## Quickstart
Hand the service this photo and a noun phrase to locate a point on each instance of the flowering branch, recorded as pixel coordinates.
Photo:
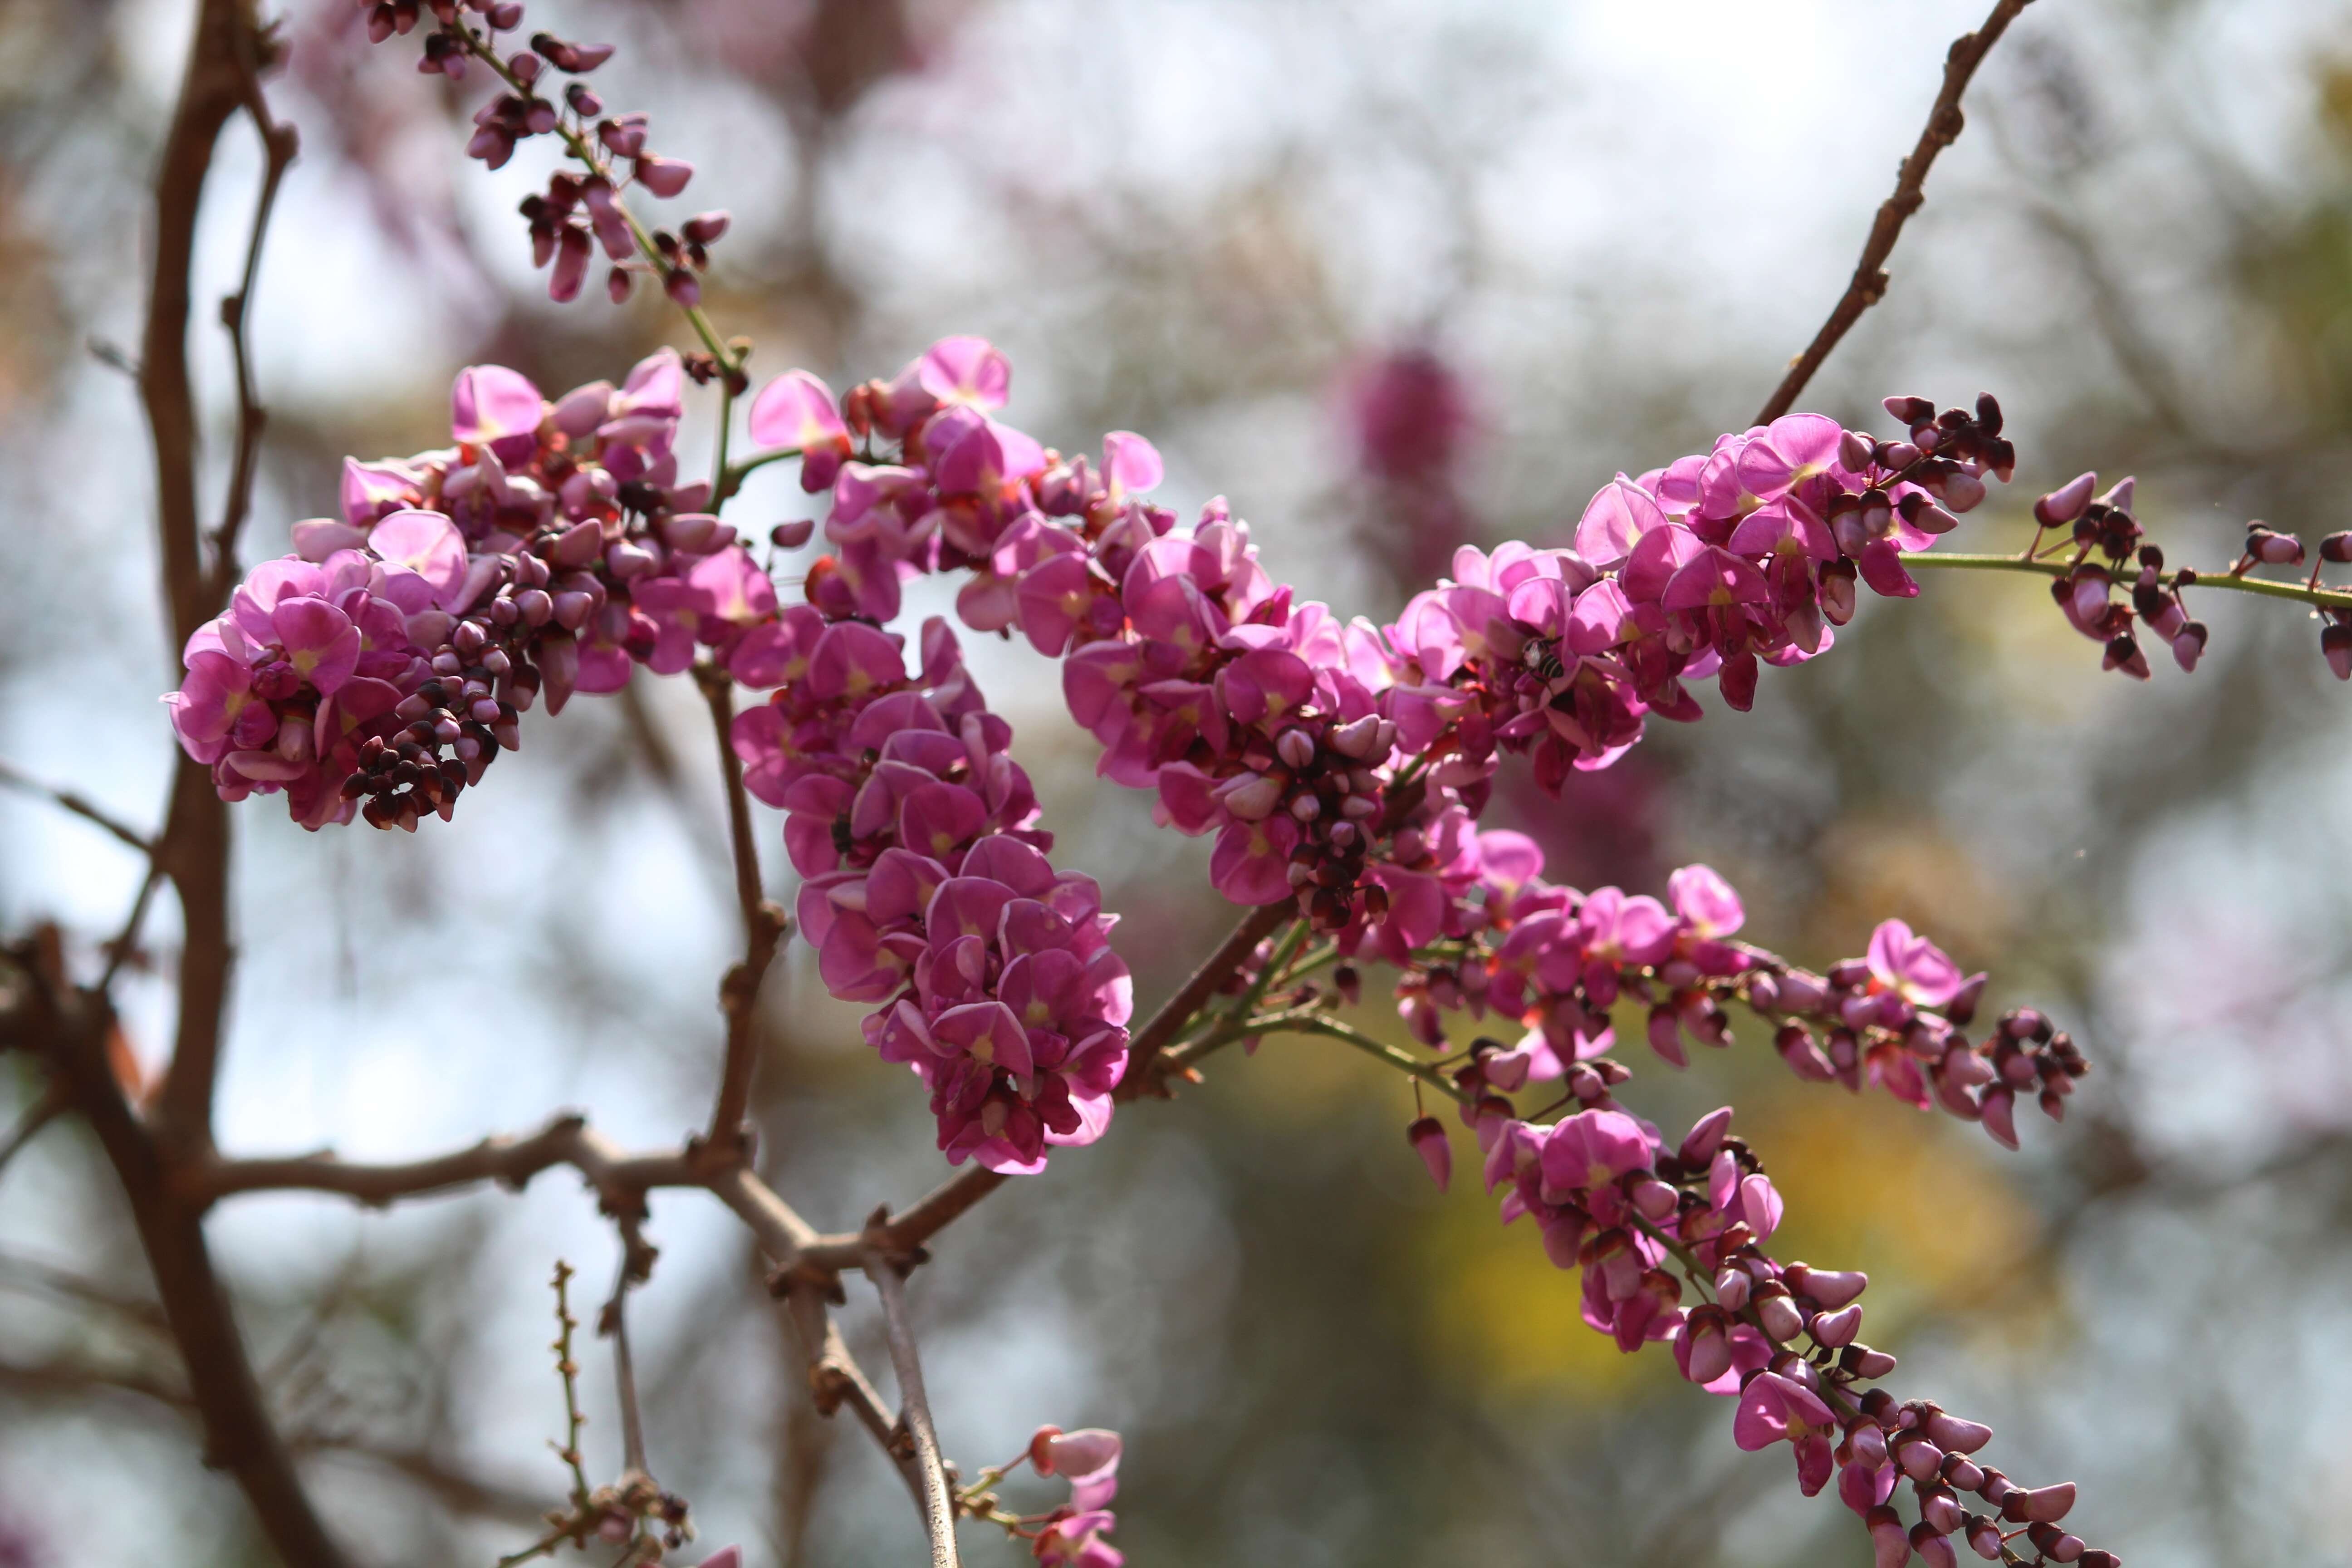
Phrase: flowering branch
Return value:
(1869, 284)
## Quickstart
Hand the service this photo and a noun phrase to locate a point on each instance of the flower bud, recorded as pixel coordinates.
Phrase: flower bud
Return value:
(1776, 1314)
(1836, 1329)
(1933, 1548)
(1952, 1433)
(1427, 1136)
(1888, 1539)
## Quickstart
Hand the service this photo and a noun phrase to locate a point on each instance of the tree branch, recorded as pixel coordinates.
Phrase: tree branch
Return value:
(763, 925)
(254, 53)
(70, 1029)
(1143, 1050)
(18, 778)
(1869, 282)
(915, 1410)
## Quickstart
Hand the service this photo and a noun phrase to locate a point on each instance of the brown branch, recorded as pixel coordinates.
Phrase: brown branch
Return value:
(763, 926)
(193, 847)
(621, 1179)
(18, 778)
(1869, 282)
(835, 1379)
(1143, 1050)
(256, 50)
(71, 1028)
(915, 1410)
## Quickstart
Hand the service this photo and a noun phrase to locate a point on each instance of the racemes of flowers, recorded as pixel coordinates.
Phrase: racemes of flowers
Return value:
(1340, 767)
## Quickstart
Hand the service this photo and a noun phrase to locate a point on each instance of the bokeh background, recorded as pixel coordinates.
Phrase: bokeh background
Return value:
(1548, 242)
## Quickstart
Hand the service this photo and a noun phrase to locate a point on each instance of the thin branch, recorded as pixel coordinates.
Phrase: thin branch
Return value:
(915, 1410)
(18, 778)
(613, 1322)
(1869, 283)
(621, 1179)
(835, 1379)
(1143, 1050)
(126, 941)
(763, 925)
(278, 144)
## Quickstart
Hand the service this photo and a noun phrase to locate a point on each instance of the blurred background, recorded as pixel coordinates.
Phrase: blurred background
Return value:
(1549, 242)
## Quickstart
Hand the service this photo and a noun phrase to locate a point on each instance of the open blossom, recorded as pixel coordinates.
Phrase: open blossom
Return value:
(925, 890)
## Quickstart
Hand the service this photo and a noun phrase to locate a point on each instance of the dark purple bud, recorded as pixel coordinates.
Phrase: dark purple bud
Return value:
(617, 283)
(1854, 451)
(663, 177)
(683, 287)
(703, 228)
(2190, 646)
(505, 19)
(571, 266)
(2335, 642)
(1427, 1136)
(525, 66)
(2269, 546)
(1953, 1433)
(2065, 504)
(2336, 548)
(1909, 410)
(583, 99)
(794, 534)
(1889, 1544)
(1862, 1362)
(1933, 1548)
(1897, 455)
(1984, 1537)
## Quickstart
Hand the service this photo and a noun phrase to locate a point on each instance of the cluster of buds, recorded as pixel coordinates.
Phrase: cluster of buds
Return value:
(2109, 554)
(1647, 1226)
(578, 211)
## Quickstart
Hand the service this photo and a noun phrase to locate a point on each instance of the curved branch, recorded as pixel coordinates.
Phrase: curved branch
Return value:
(1869, 282)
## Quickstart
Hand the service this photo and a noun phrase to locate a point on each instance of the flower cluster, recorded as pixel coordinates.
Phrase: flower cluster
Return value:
(1474, 927)
(580, 212)
(1640, 1220)
(1719, 562)
(549, 549)
(2110, 555)
(1199, 677)
(926, 887)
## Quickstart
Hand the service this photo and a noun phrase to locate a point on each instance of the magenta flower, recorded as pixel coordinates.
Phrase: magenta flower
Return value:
(796, 410)
(493, 406)
(968, 371)
(1775, 1409)
(1591, 1149)
(1913, 967)
(1088, 1457)
(1077, 1542)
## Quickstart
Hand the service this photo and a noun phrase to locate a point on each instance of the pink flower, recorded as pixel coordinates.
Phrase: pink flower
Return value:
(1910, 965)
(490, 406)
(1077, 1542)
(968, 371)
(1707, 903)
(1774, 1409)
(796, 410)
(1591, 1149)
(1088, 1457)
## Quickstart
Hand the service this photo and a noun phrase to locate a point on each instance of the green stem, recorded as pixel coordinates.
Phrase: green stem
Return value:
(1380, 1051)
(726, 428)
(730, 477)
(2321, 597)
